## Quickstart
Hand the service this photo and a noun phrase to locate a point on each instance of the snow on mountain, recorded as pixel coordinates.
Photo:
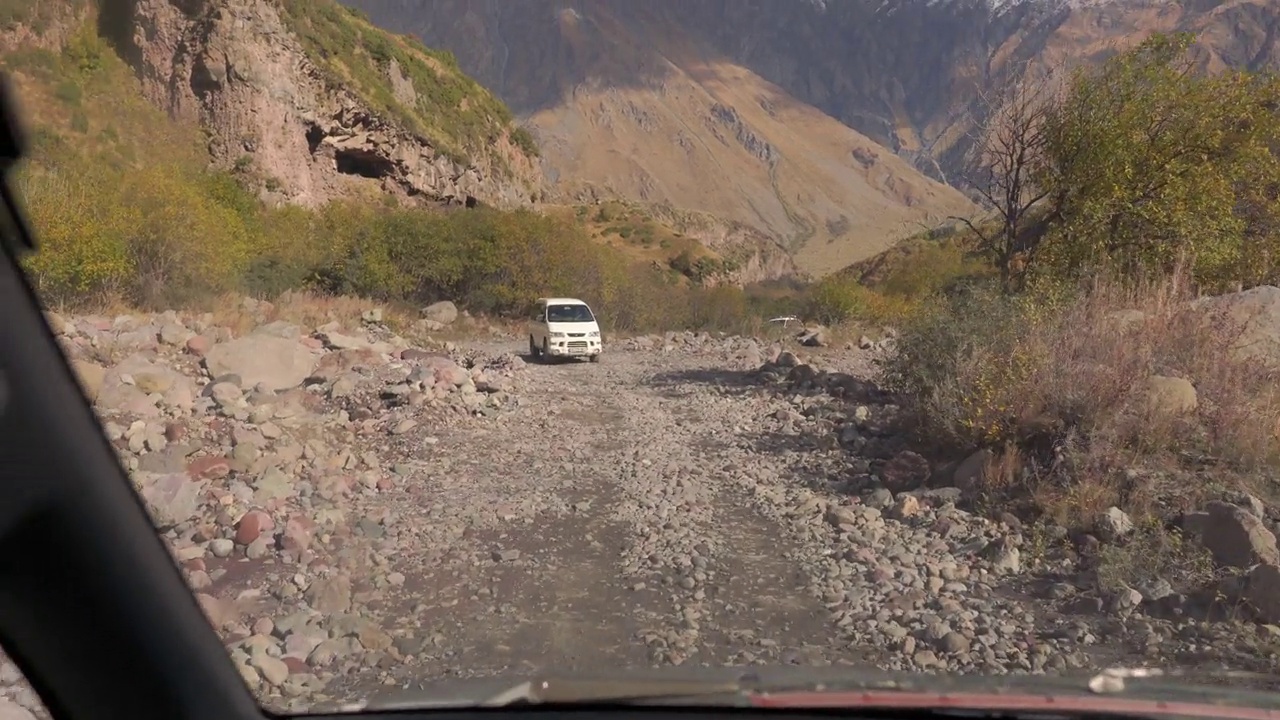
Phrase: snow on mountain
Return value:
(997, 7)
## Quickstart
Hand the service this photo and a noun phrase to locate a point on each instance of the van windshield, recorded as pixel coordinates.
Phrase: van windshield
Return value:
(569, 313)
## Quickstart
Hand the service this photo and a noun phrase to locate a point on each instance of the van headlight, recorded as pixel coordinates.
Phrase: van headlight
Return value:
(594, 333)
(557, 335)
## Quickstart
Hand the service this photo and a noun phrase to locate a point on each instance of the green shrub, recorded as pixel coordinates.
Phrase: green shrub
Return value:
(835, 300)
(169, 235)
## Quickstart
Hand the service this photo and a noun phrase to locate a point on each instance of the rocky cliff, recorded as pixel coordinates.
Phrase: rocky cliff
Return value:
(905, 74)
(309, 101)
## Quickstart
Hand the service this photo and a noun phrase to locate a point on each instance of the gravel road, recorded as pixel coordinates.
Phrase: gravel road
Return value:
(663, 508)
(614, 519)
(358, 515)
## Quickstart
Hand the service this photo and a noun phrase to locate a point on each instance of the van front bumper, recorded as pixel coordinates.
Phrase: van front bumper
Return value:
(574, 347)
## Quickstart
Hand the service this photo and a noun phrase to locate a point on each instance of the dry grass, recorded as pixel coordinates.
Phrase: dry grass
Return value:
(1153, 553)
(1058, 388)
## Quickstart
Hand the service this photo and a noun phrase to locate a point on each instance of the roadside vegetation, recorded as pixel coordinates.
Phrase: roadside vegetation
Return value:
(638, 234)
(1058, 334)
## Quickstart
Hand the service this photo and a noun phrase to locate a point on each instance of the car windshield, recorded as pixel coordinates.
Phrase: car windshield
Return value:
(1039, 438)
(569, 313)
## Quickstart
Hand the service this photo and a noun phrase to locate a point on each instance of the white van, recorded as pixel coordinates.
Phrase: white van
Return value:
(564, 327)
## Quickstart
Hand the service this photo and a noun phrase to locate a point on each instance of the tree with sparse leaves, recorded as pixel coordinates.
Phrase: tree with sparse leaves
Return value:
(1008, 154)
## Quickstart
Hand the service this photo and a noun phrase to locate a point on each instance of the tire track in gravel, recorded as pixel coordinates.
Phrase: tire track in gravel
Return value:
(737, 595)
(523, 574)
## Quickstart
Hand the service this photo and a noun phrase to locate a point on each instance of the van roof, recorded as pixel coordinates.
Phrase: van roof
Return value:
(561, 301)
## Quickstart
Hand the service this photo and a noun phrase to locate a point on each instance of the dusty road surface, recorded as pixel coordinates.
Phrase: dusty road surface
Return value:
(610, 520)
(359, 515)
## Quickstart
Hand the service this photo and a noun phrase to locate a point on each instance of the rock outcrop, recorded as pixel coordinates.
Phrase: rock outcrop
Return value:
(248, 72)
(756, 257)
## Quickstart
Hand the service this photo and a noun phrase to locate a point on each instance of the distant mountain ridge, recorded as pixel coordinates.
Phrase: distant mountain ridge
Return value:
(624, 95)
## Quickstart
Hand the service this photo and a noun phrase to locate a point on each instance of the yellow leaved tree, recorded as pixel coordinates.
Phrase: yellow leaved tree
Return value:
(1149, 160)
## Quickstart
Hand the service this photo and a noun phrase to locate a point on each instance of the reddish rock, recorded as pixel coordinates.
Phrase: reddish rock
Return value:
(174, 432)
(252, 525)
(297, 666)
(906, 471)
(198, 345)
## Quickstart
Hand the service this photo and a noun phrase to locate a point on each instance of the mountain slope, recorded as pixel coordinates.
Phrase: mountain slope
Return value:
(906, 73)
(306, 100)
(621, 106)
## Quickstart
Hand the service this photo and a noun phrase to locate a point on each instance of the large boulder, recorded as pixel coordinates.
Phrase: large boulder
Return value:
(443, 312)
(278, 363)
(1248, 322)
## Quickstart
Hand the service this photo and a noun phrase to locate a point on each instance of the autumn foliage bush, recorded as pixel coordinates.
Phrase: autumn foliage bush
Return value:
(1149, 183)
(1057, 383)
(838, 299)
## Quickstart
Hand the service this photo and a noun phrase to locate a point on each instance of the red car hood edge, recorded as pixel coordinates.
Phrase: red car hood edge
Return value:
(1009, 702)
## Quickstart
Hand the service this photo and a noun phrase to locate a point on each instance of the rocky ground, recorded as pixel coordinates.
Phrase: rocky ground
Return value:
(358, 513)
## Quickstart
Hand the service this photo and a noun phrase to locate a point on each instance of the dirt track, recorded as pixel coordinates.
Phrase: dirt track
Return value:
(662, 507)
(669, 505)
(607, 522)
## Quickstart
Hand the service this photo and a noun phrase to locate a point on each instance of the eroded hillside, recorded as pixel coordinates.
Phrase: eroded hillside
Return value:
(305, 101)
(689, 246)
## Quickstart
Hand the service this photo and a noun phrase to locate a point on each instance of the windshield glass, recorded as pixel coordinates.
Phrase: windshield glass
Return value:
(569, 313)
(1038, 439)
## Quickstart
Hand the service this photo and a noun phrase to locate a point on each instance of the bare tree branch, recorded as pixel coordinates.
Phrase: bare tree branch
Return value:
(1005, 159)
